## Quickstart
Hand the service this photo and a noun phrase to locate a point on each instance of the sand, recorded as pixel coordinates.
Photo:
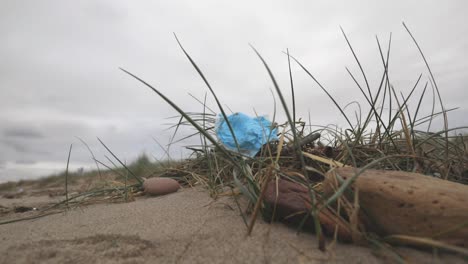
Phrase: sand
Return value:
(183, 227)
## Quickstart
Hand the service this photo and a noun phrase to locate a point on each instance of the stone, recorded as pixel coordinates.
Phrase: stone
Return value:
(293, 203)
(407, 203)
(160, 186)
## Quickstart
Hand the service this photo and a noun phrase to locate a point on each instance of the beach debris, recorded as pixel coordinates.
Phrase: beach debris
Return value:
(251, 133)
(23, 209)
(9, 196)
(160, 186)
(292, 201)
(405, 203)
(4, 210)
(310, 138)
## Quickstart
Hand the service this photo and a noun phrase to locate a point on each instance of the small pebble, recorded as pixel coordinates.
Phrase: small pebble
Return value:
(160, 186)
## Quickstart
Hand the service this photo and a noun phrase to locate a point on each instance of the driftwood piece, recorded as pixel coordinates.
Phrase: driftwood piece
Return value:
(302, 142)
(292, 202)
(403, 203)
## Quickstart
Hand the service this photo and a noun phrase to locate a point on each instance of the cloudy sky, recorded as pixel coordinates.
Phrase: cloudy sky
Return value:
(59, 76)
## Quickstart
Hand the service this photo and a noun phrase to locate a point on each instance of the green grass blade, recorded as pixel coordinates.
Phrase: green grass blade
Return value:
(323, 89)
(292, 90)
(138, 178)
(92, 155)
(359, 63)
(66, 173)
(187, 117)
(212, 92)
(438, 95)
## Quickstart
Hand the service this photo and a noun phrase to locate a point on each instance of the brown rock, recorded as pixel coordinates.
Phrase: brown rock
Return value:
(293, 198)
(293, 203)
(409, 203)
(160, 186)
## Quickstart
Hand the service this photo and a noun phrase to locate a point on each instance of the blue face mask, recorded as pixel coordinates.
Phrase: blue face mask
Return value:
(251, 133)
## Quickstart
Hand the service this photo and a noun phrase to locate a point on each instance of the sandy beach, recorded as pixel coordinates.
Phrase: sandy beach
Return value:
(183, 227)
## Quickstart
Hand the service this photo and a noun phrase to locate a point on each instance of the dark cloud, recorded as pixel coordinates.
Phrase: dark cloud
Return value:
(17, 146)
(25, 162)
(26, 133)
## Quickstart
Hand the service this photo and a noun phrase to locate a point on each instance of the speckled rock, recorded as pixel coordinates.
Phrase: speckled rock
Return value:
(160, 186)
(409, 203)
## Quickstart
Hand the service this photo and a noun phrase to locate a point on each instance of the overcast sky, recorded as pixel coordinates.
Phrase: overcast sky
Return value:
(59, 76)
